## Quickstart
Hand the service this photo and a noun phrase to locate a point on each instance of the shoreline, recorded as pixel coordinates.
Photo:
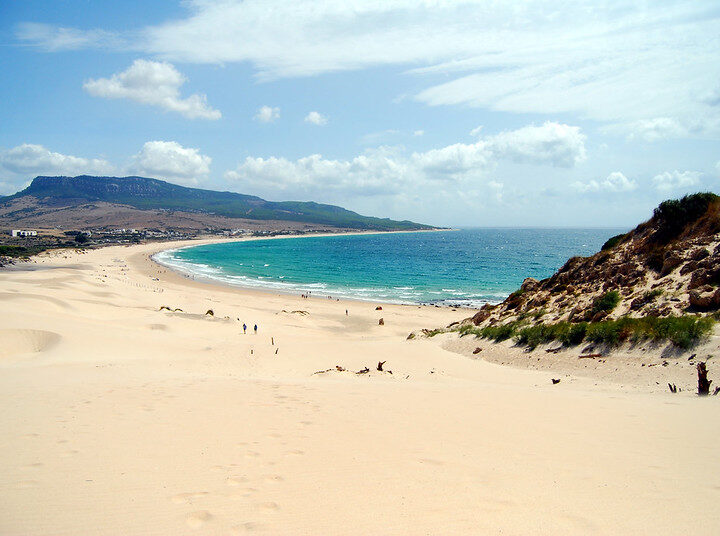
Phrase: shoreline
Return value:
(122, 418)
(188, 273)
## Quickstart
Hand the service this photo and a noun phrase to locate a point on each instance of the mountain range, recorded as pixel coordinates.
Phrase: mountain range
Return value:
(88, 199)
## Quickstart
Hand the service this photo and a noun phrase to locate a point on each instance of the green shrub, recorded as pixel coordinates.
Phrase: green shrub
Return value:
(607, 302)
(576, 334)
(499, 333)
(674, 215)
(652, 294)
(613, 241)
(469, 329)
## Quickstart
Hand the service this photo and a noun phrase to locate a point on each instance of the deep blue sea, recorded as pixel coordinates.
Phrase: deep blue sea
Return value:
(467, 267)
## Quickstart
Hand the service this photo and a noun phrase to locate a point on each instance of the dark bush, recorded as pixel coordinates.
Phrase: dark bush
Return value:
(674, 215)
(613, 241)
(607, 302)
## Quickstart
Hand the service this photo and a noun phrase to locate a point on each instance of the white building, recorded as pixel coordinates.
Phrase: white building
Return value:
(19, 232)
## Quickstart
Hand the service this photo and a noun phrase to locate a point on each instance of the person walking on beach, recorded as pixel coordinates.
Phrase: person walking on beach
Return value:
(244, 328)
(255, 328)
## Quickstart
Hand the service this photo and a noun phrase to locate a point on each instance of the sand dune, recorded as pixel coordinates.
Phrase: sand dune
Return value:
(122, 418)
(16, 342)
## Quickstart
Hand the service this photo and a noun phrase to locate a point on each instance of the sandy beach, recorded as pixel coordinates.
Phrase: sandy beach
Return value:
(122, 418)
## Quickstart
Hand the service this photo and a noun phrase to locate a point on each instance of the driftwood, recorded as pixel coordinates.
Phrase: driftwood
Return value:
(380, 365)
(672, 387)
(589, 356)
(378, 308)
(477, 350)
(553, 350)
(381, 322)
(716, 391)
(363, 371)
(210, 312)
(555, 382)
(703, 382)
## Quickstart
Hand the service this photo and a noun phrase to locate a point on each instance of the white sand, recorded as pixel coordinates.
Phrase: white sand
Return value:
(122, 419)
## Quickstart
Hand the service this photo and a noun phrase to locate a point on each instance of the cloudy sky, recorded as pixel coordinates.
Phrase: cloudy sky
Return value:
(462, 113)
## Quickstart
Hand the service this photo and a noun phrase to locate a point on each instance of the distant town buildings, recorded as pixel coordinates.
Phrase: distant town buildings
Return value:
(21, 232)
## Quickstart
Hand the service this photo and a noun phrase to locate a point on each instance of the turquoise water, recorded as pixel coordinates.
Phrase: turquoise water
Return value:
(467, 267)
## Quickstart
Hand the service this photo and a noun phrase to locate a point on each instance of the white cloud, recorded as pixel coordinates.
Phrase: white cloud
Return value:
(615, 182)
(650, 130)
(316, 118)
(171, 161)
(417, 133)
(267, 114)
(676, 180)
(610, 61)
(37, 160)
(387, 170)
(154, 83)
(54, 38)
(476, 131)
(552, 143)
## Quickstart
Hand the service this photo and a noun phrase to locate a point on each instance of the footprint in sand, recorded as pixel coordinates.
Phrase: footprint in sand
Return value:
(198, 519)
(271, 505)
(274, 435)
(296, 452)
(36, 465)
(252, 454)
(187, 498)
(236, 480)
(273, 479)
(245, 527)
(27, 484)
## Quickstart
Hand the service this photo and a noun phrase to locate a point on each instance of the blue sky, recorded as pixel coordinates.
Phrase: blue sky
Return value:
(462, 113)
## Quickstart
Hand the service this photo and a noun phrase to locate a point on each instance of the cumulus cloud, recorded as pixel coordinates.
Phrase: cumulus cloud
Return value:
(388, 170)
(316, 118)
(267, 114)
(615, 182)
(676, 180)
(154, 83)
(170, 160)
(552, 143)
(418, 133)
(37, 160)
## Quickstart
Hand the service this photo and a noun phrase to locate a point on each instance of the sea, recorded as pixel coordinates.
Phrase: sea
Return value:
(460, 268)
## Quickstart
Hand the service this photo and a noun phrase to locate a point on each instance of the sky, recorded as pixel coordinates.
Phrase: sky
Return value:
(452, 113)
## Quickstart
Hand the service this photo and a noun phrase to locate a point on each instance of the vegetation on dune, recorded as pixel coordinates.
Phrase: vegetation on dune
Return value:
(683, 331)
(613, 241)
(674, 215)
(7, 250)
(607, 302)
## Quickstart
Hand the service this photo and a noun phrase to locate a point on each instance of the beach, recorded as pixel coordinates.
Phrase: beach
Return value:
(128, 409)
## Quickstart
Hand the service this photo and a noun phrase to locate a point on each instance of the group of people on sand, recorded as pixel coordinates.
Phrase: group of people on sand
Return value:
(255, 328)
